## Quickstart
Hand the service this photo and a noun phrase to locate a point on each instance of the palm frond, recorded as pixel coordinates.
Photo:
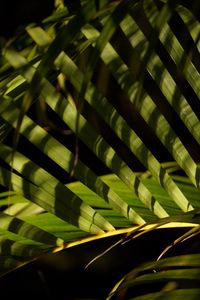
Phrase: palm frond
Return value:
(169, 278)
(117, 75)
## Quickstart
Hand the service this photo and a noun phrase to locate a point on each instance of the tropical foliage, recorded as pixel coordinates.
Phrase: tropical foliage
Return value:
(112, 86)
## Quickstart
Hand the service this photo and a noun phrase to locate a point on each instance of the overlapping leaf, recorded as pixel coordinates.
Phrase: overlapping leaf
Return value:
(59, 66)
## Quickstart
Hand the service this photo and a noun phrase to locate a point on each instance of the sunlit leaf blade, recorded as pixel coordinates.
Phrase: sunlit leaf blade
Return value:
(56, 226)
(106, 154)
(20, 249)
(48, 183)
(22, 207)
(52, 148)
(97, 143)
(24, 229)
(133, 141)
(49, 202)
(147, 107)
(123, 75)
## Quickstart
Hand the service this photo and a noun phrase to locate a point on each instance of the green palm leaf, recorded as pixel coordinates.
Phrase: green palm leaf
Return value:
(168, 274)
(107, 72)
